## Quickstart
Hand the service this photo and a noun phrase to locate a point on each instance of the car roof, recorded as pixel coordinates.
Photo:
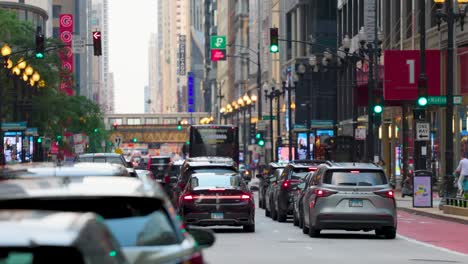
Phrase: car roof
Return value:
(214, 174)
(278, 164)
(210, 161)
(72, 170)
(355, 165)
(102, 154)
(37, 227)
(92, 186)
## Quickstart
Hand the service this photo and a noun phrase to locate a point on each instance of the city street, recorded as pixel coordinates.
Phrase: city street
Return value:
(275, 242)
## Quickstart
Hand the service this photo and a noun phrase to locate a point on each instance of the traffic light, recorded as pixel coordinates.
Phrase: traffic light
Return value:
(378, 105)
(422, 93)
(259, 139)
(97, 43)
(96, 130)
(135, 140)
(274, 48)
(40, 47)
(39, 140)
(179, 126)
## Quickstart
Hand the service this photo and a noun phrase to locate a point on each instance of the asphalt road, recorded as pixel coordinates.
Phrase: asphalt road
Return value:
(275, 242)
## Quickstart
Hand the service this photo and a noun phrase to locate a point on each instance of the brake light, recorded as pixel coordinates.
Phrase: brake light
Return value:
(287, 183)
(323, 193)
(216, 189)
(386, 194)
(354, 171)
(196, 258)
(188, 197)
(167, 179)
(245, 197)
(312, 169)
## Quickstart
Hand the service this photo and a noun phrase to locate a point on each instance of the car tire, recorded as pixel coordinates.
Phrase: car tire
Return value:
(249, 228)
(295, 220)
(390, 233)
(261, 204)
(305, 229)
(280, 216)
(313, 232)
(379, 232)
(267, 213)
(300, 220)
(274, 214)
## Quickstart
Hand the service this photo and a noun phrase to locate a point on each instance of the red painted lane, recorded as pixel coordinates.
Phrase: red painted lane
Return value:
(445, 234)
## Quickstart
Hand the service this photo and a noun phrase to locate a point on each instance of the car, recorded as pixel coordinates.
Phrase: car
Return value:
(282, 196)
(265, 181)
(201, 164)
(298, 196)
(35, 236)
(158, 165)
(218, 199)
(138, 214)
(107, 158)
(349, 196)
(273, 181)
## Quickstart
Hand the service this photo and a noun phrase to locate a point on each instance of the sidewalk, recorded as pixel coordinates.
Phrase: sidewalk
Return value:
(406, 204)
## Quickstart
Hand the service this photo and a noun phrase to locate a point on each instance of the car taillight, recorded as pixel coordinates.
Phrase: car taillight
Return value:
(386, 194)
(320, 193)
(245, 197)
(287, 184)
(312, 169)
(188, 197)
(196, 258)
(167, 179)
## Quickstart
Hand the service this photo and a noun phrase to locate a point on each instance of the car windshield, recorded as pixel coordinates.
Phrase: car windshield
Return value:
(218, 181)
(355, 178)
(134, 221)
(40, 254)
(103, 159)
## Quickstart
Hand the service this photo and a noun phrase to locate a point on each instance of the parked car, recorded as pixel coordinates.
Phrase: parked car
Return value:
(265, 180)
(107, 158)
(298, 196)
(198, 165)
(218, 199)
(34, 236)
(269, 205)
(138, 214)
(292, 175)
(349, 196)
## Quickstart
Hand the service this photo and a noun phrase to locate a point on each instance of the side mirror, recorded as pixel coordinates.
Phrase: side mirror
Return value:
(204, 237)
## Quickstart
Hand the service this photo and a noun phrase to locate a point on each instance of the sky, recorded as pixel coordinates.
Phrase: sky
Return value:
(130, 26)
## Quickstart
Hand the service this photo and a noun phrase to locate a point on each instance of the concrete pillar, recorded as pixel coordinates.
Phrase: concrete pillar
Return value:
(299, 27)
(294, 33)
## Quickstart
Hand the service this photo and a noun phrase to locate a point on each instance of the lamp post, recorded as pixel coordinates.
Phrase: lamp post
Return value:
(270, 96)
(5, 51)
(450, 17)
(289, 88)
(242, 106)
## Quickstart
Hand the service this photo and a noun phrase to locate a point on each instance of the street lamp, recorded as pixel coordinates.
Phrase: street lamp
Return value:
(450, 17)
(289, 89)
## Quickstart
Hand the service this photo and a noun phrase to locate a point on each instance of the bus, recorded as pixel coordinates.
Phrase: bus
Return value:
(214, 140)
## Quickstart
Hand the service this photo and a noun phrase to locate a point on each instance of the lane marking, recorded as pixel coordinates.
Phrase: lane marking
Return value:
(432, 246)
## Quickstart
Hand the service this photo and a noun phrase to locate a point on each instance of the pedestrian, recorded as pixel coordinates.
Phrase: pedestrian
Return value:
(462, 171)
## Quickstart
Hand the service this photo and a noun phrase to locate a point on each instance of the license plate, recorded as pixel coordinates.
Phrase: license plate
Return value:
(217, 215)
(355, 203)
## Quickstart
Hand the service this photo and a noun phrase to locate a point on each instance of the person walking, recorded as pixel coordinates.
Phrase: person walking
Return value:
(462, 171)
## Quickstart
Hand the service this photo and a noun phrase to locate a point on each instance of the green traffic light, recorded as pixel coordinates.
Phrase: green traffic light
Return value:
(274, 48)
(59, 137)
(179, 127)
(39, 140)
(96, 130)
(261, 142)
(422, 101)
(39, 55)
(258, 136)
(378, 109)
(135, 140)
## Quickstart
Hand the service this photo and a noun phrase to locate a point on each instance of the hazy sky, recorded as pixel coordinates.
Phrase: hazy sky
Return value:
(130, 25)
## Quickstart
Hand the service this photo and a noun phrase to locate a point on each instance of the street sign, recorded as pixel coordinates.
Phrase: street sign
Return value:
(78, 44)
(267, 117)
(31, 131)
(442, 100)
(262, 125)
(422, 131)
(218, 42)
(218, 54)
(14, 126)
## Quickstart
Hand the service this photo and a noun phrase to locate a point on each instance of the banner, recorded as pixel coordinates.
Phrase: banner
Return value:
(66, 54)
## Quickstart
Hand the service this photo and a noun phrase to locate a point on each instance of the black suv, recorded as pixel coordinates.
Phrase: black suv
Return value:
(265, 180)
(283, 192)
(159, 166)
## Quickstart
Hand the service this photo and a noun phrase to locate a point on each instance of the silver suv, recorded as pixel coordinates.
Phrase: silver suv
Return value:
(349, 196)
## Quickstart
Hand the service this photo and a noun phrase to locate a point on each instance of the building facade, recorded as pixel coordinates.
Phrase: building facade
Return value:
(35, 11)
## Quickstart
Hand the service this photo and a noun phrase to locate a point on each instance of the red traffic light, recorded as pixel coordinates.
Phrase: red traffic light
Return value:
(97, 43)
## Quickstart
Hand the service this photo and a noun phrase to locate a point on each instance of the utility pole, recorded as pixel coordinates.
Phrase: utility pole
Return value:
(449, 85)
(259, 83)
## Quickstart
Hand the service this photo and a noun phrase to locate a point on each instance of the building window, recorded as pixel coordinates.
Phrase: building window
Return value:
(113, 121)
(133, 121)
(169, 121)
(151, 121)
(56, 10)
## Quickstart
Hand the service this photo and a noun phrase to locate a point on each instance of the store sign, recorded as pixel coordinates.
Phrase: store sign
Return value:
(66, 53)
(181, 69)
(190, 93)
(402, 70)
(422, 191)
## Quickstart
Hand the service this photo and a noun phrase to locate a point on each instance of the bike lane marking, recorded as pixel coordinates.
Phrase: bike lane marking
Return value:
(435, 232)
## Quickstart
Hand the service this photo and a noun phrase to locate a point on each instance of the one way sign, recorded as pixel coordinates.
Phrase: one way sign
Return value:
(422, 131)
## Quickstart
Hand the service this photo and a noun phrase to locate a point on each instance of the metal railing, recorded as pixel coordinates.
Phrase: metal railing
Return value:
(458, 202)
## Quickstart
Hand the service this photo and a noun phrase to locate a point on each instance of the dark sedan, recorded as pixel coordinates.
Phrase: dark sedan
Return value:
(218, 199)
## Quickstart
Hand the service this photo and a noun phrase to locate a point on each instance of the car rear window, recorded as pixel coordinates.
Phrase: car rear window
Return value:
(114, 160)
(217, 181)
(299, 173)
(355, 178)
(213, 170)
(134, 221)
(160, 160)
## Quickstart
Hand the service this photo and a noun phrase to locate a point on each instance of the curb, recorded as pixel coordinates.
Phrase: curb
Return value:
(437, 216)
